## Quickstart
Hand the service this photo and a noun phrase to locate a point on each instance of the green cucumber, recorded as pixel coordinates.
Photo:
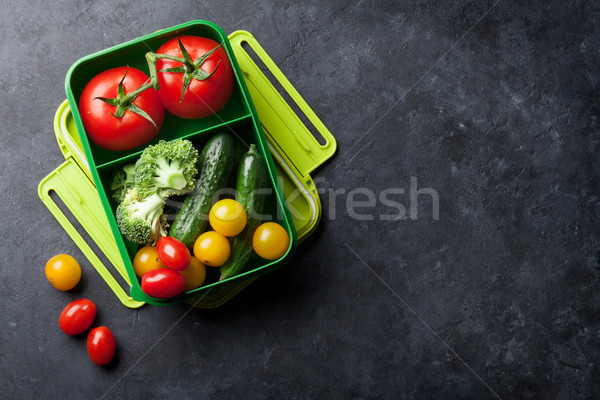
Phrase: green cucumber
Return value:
(252, 176)
(218, 158)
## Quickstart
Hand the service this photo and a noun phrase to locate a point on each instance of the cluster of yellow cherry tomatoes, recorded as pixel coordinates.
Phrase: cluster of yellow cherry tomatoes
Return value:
(169, 269)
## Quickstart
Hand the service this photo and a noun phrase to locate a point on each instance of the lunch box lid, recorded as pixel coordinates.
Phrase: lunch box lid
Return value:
(286, 131)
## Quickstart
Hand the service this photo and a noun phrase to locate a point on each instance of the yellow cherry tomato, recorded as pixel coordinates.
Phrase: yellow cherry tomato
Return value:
(194, 274)
(63, 272)
(212, 249)
(145, 260)
(227, 217)
(270, 241)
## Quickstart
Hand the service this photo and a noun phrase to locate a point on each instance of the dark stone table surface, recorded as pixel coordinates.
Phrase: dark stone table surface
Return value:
(475, 275)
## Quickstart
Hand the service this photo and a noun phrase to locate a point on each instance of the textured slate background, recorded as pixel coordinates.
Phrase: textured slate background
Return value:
(496, 109)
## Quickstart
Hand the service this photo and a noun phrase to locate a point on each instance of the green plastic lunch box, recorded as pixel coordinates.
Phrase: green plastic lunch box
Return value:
(257, 110)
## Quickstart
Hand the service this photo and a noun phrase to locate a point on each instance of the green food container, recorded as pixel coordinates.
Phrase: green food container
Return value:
(238, 116)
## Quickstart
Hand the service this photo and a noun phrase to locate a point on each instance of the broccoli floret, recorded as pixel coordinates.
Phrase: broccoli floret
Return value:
(123, 180)
(141, 220)
(166, 169)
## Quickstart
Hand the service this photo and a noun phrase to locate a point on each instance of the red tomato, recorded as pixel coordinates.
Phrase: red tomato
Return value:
(203, 97)
(129, 131)
(77, 316)
(101, 345)
(163, 283)
(172, 253)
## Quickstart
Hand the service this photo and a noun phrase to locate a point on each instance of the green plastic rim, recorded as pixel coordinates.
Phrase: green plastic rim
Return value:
(241, 111)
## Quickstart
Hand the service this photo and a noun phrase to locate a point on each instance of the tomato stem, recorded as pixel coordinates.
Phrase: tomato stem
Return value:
(169, 57)
(190, 69)
(151, 59)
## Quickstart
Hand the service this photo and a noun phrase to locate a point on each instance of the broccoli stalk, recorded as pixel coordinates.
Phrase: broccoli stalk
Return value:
(166, 169)
(123, 180)
(141, 220)
(168, 174)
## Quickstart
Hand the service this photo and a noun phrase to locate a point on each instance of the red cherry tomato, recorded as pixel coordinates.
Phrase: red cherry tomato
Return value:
(101, 345)
(163, 283)
(77, 316)
(202, 97)
(129, 131)
(173, 253)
